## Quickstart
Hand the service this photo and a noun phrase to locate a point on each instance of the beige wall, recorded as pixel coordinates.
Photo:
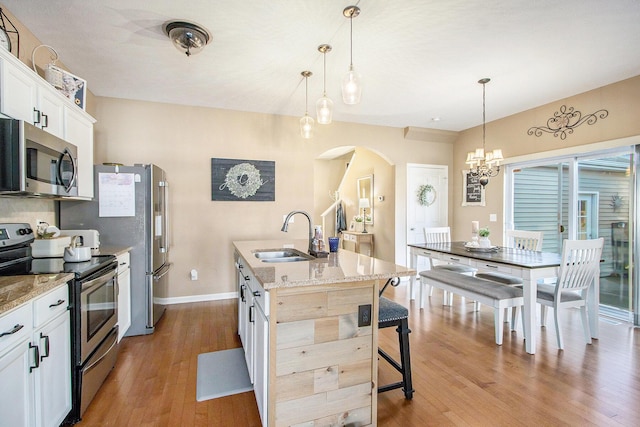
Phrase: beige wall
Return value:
(183, 139)
(621, 100)
(362, 162)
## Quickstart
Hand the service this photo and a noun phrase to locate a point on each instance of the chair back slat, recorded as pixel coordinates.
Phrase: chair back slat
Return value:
(527, 240)
(580, 264)
(437, 234)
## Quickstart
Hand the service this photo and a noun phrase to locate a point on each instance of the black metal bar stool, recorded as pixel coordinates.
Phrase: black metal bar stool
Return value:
(393, 314)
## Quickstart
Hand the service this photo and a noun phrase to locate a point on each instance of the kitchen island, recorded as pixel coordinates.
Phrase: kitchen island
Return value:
(309, 331)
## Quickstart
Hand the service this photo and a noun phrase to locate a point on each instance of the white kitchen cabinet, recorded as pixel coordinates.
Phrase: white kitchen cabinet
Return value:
(35, 372)
(261, 362)
(24, 95)
(18, 90)
(53, 377)
(16, 385)
(253, 328)
(124, 294)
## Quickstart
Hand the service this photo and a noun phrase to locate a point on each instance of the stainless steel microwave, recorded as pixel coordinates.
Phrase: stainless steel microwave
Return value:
(35, 163)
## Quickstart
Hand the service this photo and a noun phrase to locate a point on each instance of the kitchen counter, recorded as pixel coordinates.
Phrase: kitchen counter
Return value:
(16, 290)
(309, 332)
(339, 267)
(112, 250)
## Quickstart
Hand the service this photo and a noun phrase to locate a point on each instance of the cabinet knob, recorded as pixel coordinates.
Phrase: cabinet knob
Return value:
(256, 293)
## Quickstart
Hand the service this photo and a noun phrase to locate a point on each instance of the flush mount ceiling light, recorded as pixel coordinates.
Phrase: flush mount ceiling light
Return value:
(484, 165)
(324, 106)
(306, 122)
(352, 81)
(187, 37)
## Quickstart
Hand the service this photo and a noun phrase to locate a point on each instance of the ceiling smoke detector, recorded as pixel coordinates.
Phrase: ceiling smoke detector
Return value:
(187, 37)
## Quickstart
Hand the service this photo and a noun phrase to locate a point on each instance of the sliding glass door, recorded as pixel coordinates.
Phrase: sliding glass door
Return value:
(581, 197)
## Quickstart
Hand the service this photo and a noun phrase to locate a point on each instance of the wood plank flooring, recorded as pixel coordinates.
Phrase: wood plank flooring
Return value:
(460, 376)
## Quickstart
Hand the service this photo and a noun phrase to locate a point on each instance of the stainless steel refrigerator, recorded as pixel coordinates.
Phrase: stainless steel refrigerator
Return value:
(130, 209)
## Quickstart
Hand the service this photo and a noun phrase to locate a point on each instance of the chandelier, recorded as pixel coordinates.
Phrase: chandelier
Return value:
(482, 164)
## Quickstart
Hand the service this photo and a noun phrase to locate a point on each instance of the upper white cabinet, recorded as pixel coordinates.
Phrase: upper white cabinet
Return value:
(24, 95)
(79, 132)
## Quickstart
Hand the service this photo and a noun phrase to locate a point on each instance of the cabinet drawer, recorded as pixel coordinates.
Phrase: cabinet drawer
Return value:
(123, 262)
(17, 325)
(487, 266)
(348, 237)
(260, 296)
(455, 259)
(50, 305)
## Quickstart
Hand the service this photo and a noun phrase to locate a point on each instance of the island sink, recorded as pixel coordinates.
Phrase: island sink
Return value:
(282, 255)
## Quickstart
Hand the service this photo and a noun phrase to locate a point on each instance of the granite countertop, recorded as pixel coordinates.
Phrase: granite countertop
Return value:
(111, 250)
(16, 290)
(340, 267)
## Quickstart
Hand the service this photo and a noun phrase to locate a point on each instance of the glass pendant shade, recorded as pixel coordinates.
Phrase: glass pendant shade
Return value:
(324, 106)
(351, 87)
(324, 110)
(306, 122)
(306, 126)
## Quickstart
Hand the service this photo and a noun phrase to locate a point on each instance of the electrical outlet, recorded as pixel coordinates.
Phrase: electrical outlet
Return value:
(364, 315)
(194, 274)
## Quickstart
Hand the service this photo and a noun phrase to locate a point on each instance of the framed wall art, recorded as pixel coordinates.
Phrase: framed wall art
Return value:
(243, 180)
(472, 190)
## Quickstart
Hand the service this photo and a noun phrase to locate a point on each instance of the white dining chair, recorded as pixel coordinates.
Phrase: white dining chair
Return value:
(440, 235)
(579, 269)
(519, 239)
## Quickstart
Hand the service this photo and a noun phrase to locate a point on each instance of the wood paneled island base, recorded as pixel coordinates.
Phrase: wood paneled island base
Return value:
(312, 355)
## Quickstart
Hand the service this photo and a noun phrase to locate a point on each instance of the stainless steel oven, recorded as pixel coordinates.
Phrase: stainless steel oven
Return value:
(98, 311)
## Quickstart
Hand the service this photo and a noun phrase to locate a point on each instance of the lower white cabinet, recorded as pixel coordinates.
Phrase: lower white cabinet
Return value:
(124, 294)
(16, 387)
(261, 362)
(253, 328)
(35, 366)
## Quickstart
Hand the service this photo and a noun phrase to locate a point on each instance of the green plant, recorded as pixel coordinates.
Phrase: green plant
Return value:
(358, 218)
(484, 232)
(423, 192)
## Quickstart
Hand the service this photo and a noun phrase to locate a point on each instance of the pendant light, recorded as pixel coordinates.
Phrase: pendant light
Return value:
(352, 81)
(306, 122)
(483, 165)
(324, 106)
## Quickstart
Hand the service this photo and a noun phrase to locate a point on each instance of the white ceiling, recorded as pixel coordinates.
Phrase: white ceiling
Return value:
(420, 59)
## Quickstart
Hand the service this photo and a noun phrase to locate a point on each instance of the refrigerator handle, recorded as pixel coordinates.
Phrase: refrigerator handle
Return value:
(164, 245)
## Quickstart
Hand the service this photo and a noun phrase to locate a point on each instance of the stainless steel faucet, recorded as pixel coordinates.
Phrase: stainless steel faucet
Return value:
(286, 225)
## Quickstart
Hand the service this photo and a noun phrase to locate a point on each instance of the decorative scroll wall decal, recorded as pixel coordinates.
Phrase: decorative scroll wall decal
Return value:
(564, 121)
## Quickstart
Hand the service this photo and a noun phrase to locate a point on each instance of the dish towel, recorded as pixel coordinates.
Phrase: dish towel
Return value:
(341, 219)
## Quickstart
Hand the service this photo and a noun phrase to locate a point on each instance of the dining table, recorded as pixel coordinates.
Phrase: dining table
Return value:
(530, 266)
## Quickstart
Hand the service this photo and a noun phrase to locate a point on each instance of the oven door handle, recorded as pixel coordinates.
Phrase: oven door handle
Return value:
(98, 280)
(88, 368)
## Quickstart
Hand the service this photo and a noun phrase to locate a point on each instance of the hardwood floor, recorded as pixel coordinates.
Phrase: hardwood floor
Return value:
(460, 376)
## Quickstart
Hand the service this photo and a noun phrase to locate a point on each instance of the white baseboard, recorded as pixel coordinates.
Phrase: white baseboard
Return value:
(198, 298)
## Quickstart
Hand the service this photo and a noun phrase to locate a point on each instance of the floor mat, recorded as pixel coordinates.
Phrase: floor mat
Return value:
(222, 373)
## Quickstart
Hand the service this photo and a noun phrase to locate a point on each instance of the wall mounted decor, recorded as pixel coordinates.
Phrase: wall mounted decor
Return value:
(238, 180)
(564, 121)
(472, 190)
(5, 31)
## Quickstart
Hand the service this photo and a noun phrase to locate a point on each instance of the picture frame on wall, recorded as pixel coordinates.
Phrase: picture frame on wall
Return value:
(243, 180)
(472, 190)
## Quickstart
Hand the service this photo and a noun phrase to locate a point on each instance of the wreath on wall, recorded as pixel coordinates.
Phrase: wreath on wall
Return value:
(426, 195)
